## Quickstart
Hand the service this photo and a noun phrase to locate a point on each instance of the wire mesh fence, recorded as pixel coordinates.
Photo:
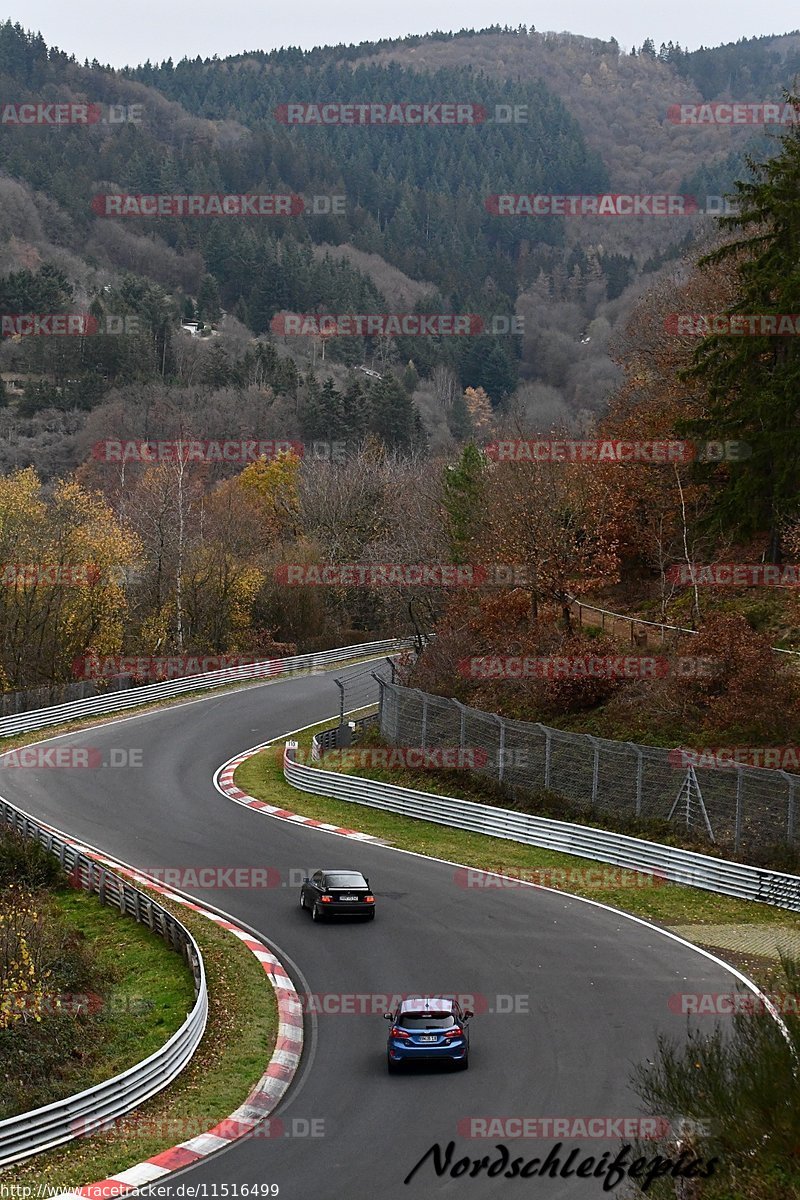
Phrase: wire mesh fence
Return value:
(737, 808)
(359, 688)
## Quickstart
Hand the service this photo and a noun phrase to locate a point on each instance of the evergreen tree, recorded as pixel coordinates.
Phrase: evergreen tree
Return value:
(463, 493)
(752, 383)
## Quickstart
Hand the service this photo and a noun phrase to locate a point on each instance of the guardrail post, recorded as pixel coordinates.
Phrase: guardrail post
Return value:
(738, 831)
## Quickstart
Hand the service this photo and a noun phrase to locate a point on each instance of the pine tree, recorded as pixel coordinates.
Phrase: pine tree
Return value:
(463, 491)
(753, 382)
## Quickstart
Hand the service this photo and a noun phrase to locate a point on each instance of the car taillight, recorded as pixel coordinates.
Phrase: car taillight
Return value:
(369, 899)
(399, 1033)
(326, 899)
(456, 1032)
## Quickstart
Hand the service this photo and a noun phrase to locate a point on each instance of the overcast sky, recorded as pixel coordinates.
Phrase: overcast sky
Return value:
(122, 33)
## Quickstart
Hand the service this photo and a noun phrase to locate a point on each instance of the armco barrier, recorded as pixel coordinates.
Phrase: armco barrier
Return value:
(113, 702)
(59, 1122)
(668, 862)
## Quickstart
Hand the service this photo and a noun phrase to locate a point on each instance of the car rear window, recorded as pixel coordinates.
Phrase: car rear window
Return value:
(346, 881)
(426, 1021)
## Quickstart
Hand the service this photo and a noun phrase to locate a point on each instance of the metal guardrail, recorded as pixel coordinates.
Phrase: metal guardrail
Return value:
(668, 862)
(113, 702)
(63, 1120)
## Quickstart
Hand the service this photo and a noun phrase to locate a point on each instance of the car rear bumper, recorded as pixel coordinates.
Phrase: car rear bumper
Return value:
(345, 909)
(419, 1053)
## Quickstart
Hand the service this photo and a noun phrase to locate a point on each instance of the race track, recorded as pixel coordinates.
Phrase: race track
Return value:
(595, 984)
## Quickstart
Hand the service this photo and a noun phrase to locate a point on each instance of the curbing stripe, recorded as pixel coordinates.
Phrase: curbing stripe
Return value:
(223, 780)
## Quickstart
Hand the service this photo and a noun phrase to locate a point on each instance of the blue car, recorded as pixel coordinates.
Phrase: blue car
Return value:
(426, 1029)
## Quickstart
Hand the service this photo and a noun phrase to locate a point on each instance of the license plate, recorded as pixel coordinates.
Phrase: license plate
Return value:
(427, 1037)
(348, 897)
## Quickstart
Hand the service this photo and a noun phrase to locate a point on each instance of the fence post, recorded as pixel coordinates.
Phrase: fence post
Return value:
(392, 666)
(548, 741)
(340, 686)
(462, 731)
(790, 809)
(639, 762)
(380, 682)
(595, 769)
(738, 832)
(424, 733)
(501, 750)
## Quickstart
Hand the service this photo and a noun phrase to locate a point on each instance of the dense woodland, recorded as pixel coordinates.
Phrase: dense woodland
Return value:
(188, 555)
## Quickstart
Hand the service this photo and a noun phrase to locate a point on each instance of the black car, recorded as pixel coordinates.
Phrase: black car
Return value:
(337, 894)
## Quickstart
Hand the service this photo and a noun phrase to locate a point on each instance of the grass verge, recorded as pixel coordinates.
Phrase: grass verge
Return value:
(237, 1045)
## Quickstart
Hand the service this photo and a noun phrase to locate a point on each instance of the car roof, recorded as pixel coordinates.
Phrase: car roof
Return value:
(341, 871)
(427, 1004)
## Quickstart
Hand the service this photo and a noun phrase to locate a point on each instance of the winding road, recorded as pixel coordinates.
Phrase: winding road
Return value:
(588, 987)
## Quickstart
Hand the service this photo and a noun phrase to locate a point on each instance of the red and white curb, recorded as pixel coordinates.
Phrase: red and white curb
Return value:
(263, 1098)
(223, 781)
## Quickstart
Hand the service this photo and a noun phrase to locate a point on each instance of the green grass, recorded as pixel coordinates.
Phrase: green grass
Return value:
(141, 964)
(236, 1048)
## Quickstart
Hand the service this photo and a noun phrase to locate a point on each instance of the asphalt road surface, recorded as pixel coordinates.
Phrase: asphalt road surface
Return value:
(568, 994)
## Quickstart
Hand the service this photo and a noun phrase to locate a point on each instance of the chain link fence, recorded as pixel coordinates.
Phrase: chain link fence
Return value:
(739, 809)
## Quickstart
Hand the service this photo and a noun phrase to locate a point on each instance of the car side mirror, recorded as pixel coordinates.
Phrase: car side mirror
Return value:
(306, 879)
(468, 1014)
(387, 1017)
